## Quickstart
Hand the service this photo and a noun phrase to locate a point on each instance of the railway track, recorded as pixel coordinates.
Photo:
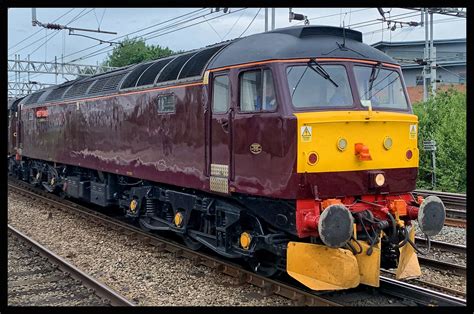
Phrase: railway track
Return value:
(295, 292)
(454, 200)
(445, 246)
(37, 276)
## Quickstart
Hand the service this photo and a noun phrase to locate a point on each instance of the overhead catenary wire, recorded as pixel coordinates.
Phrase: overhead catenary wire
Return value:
(77, 17)
(134, 32)
(161, 34)
(235, 23)
(449, 20)
(251, 22)
(155, 36)
(331, 15)
(38, 31)
(137, 31)
(55, 33)
(218, 35)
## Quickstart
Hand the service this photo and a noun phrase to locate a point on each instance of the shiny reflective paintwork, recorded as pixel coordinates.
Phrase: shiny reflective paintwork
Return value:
(125, 134)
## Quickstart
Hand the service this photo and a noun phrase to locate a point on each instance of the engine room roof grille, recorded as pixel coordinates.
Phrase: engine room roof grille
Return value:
(170, 73)
(196, 65)
(33, 99)
(149, 75)
(79, 89)
(57, 93)
(113, 82)
(132, 77)
(98, 85)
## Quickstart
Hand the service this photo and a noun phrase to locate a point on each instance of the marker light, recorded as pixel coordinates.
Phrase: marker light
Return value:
(342, 144)
(409, 154)
(312, 158)
(387, 143)
(380, 179)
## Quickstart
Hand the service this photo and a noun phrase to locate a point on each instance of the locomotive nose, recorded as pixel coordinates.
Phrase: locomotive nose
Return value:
(431, 215)
(335, 225)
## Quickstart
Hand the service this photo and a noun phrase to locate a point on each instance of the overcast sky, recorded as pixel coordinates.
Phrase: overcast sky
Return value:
(44, 45)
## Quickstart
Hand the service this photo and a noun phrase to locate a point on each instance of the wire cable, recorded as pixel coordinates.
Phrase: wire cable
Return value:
(39, 30)
(234, 24)
(190, 13)
(251, 22)
(155, 36)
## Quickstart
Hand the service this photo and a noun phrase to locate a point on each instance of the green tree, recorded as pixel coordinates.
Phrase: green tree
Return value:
(443, 119)
(131, 51)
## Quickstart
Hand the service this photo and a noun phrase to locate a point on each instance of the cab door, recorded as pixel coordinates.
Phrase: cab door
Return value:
(220, 130)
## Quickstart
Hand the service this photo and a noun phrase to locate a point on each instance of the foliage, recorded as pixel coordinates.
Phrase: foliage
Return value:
(443, 118)
(131, 51)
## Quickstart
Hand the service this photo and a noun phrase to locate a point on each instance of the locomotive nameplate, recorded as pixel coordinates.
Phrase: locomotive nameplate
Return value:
(218, 184)
(220, 170)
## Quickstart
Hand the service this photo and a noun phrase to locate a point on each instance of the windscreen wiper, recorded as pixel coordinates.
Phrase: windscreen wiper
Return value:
(320, 70)
(373, 76)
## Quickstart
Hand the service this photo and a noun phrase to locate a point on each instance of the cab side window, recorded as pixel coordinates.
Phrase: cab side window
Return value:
(257, 92)
(220, 94)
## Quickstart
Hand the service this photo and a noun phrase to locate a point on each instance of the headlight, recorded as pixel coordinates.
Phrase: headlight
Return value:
(380, 179)
(341, 144)
(387, 142)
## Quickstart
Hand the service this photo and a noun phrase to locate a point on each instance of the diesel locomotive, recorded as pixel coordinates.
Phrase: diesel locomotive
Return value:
(294, 150)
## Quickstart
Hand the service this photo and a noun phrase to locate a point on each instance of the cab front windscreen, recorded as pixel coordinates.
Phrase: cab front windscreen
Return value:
(328, 86)
(309, 89)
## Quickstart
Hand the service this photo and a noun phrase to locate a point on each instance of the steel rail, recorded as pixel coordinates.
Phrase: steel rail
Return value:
(99, 288)
(442, 265)
(418, 294)
(455, 222)
(430, 284)
(455, 199)
(455, 248)
(269, 286)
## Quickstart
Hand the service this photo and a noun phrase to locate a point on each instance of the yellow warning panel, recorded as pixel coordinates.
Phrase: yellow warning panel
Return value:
(306, 133)
(322, 268)
(369, 265)
(408, 265)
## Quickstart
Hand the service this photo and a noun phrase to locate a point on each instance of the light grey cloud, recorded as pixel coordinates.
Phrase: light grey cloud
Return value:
(126, 20)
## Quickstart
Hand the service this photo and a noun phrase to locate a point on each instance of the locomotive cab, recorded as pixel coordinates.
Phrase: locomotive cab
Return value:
(357, 151)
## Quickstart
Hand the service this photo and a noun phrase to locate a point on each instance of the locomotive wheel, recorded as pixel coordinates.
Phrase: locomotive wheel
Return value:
(191, 243)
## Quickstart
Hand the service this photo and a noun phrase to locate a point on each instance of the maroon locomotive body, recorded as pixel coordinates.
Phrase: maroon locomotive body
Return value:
(213, 145)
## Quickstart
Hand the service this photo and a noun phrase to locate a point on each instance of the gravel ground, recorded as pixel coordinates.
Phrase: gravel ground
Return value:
(443, 278)
(448, 234)
(445, 256)
(134, 269)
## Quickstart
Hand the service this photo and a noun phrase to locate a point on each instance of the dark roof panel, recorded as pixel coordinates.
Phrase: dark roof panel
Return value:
(134, 75)
(170, 73)
(196, 65)
(149, 75)
(297, 42)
